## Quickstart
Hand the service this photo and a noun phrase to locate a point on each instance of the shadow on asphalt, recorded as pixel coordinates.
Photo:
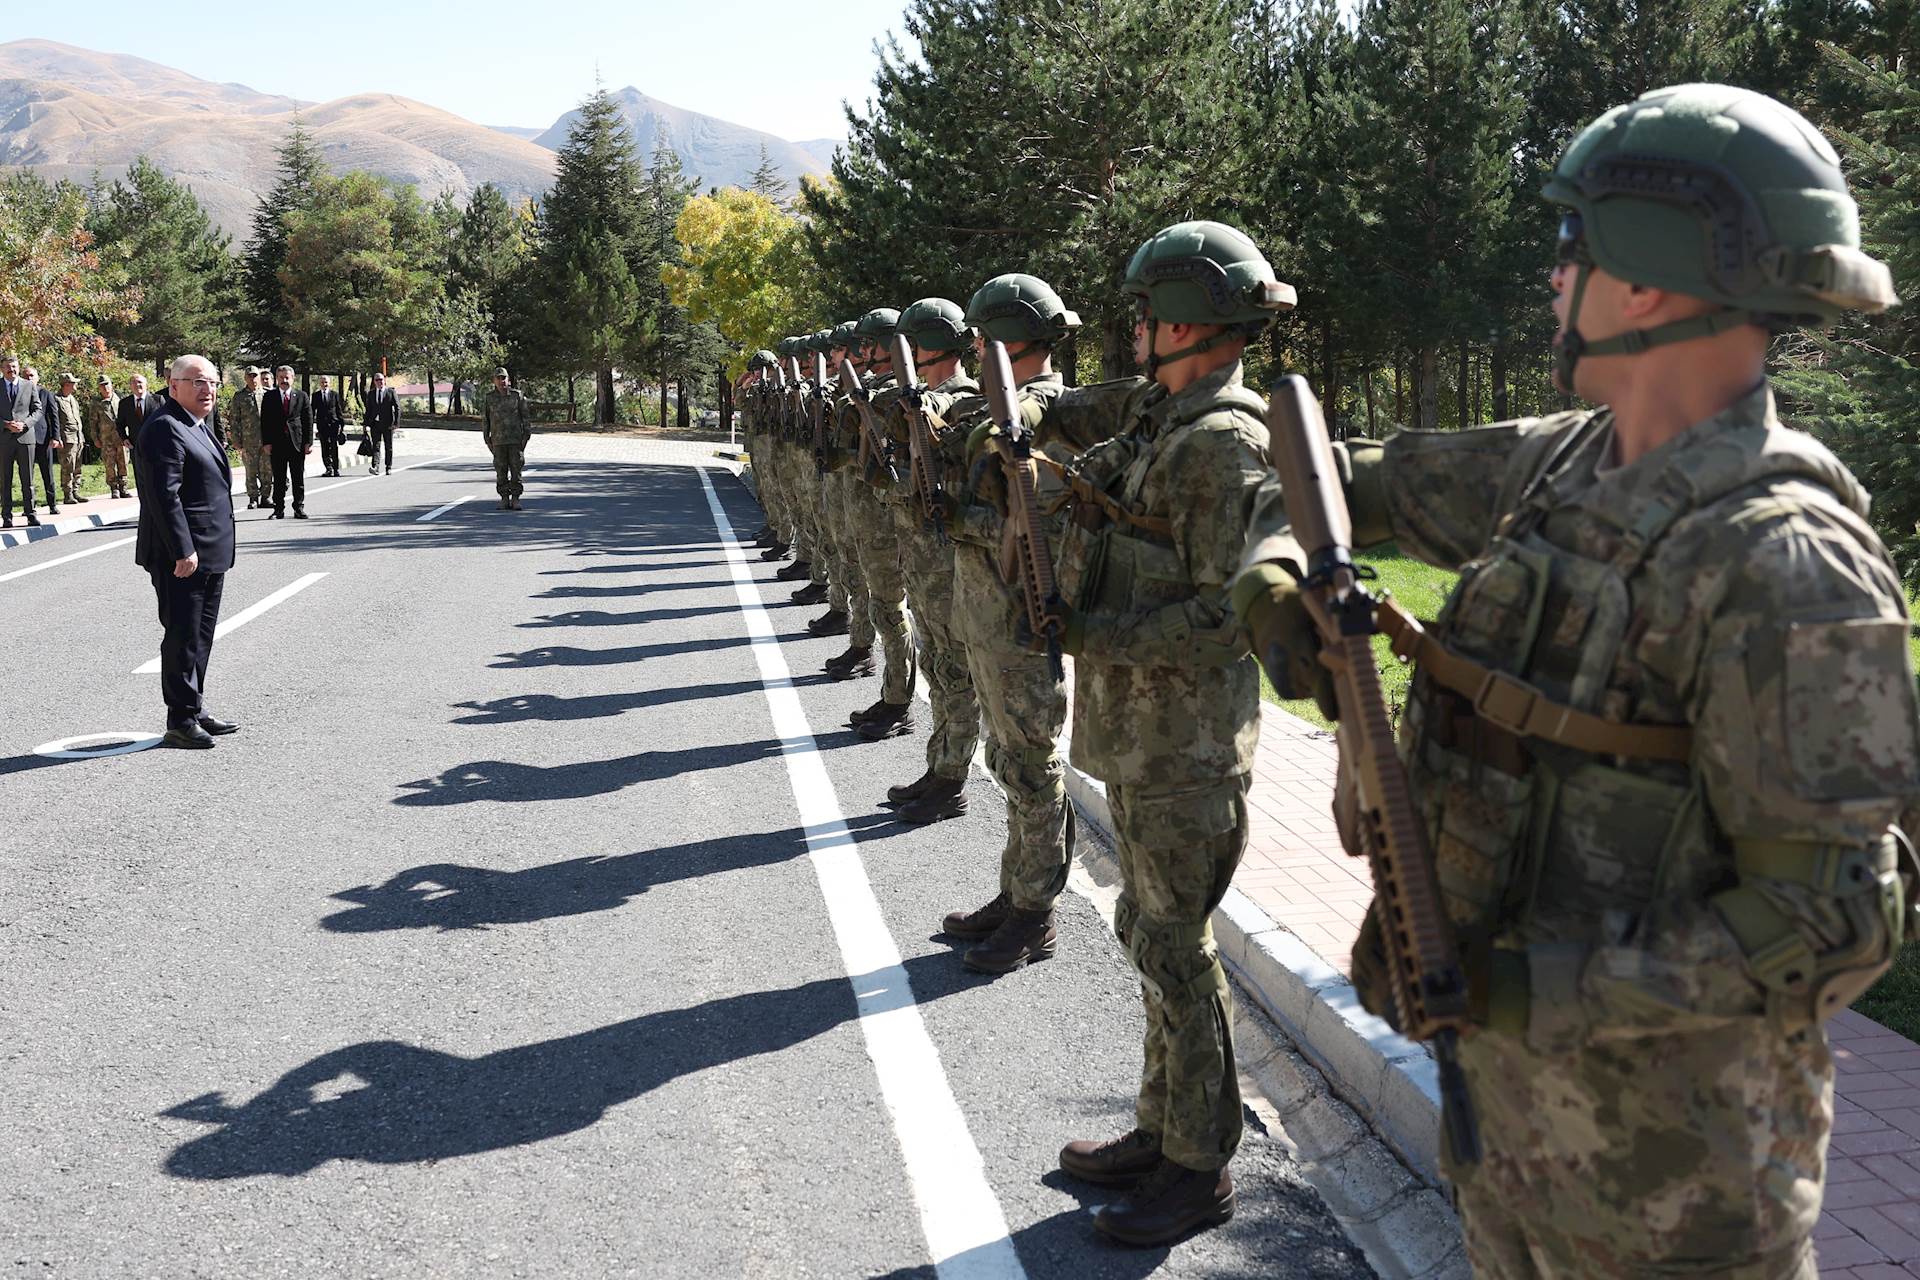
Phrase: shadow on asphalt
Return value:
(566, 655)
(637, 568)
(505, 780)
(548, 706)
(645, 589)
(447, 896)
(385, 1102)
(639, 617)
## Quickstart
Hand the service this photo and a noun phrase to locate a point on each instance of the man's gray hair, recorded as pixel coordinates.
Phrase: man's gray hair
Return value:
(182, 364)
(285, 368)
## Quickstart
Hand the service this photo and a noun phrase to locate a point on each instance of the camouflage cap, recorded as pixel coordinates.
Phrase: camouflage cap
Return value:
(501, 372)
(68, 377)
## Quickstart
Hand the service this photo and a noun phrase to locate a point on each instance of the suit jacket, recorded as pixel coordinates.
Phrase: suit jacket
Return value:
(49, 419)
(383, 410)
(186, 494)
(286, 419)
(24, 404)
(326, 413)
(132, 413)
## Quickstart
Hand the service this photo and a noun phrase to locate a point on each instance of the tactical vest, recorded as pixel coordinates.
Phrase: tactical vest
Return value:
(1116, 558)
(1553, 839)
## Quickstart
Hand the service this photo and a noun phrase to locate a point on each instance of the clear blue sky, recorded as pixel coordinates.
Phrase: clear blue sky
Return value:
(748, 61)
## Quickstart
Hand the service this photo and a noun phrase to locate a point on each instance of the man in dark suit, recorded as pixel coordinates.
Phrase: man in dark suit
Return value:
(329, 420)
(185, 541)
(19, 408)
(286, 432)
(383, 415)
(139, 402)
(46, 449)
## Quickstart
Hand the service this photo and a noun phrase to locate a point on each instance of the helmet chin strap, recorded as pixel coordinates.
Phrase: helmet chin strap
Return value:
(1155, 361)
(1016, 354)
(1572, 346)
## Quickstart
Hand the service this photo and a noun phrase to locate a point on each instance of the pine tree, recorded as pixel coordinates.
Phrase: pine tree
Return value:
(300, 169)
(361, 279)
(766, 179)
(186, 277)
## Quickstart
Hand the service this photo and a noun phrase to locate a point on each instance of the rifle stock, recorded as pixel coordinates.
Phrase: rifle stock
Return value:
(1429, 983)
(820, 412)
(794, 393)
(1034, 559)
(921, 459)
(872, 449)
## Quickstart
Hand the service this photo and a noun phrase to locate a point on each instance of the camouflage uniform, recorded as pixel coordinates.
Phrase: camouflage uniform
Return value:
(506, 425)
(101, 411)
(73, 440)
(1166, 712)
(244, 410)
(869, 526)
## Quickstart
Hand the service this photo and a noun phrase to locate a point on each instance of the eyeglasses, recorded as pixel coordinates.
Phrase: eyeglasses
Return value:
(1571, 249)
(205, 384)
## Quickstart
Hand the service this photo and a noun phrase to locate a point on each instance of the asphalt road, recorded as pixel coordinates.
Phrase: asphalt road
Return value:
(519, 932)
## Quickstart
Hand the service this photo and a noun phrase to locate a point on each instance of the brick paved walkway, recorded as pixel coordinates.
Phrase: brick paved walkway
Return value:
(1296, 871)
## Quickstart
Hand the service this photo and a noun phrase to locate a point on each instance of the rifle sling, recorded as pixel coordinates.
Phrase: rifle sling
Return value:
(1081, 490)
(1518, 708)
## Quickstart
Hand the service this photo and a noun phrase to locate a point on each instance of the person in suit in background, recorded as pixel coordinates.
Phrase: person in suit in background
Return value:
(330, 422)
(185, 542)
(134, 408)
(383, 415)
(46, 450)
(19, 407)
(103, 424)
(286, 430)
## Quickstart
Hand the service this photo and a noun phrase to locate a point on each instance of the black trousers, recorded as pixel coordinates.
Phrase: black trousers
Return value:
(289, 467)
(49, 472)
(189, 612)
(329, 452)
(378, 435)
(15, 455)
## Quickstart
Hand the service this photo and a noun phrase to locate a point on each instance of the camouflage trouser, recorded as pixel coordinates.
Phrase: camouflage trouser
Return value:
(809, 499)
(1179, 847)
(72, 450)
(113, 461)
(847, 589)
(1696, 1153)
(259, 472)
(886, 582)
(507, 459)
(943, 659)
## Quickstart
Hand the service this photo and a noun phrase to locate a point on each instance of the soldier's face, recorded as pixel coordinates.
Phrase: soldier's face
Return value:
(499, 383)
(253, 382)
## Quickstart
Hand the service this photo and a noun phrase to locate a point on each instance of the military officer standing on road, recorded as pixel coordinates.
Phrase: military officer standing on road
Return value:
(103, 413)
(244, 409)
(1166, 702)
(72, 432)
(506, 425)
(1665, 721)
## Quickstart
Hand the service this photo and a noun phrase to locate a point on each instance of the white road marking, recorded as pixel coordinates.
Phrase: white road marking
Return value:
(74, 748)
(78, 555)
(440, 511)
(246, 615)
(966, 1231)
(329, 488)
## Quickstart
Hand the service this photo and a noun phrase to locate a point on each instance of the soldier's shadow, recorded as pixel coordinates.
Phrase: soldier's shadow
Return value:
(386, 1102)
(506, 780)
(448, 896)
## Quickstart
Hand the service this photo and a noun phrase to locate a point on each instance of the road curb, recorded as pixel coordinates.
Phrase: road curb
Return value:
(10, 538)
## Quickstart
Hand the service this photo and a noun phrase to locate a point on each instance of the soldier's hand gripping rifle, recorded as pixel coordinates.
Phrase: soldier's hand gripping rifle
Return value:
(820, 403)
(795, 394)
(872, 448)
(1032, 558)
(922, 462)
(1429, 983)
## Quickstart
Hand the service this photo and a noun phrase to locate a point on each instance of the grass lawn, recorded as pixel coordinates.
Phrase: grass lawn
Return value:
(92, 481)
(1894, 1001)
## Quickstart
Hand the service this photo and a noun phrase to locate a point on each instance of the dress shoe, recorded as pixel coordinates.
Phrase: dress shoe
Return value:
(831, 623)
(7, 523)
(277, 514)
(298, 514)
(946, 798)
(864, 714)
(216, 726)
(188, 735)
(798, 571)
(1117, 1162)
(33, 521)
(908, 790)
(250, 504)
(1168, 1203)
(979, 923)
(812, 593)
(892, 720)
(1022, 937)
(52, 510)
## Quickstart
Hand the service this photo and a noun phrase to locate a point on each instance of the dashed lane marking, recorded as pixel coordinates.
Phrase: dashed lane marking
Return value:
(246, 615)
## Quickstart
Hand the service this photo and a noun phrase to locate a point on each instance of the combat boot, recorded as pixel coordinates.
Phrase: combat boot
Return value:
(865, 714)
(1117, 1162)
(977, 924)
(1021, 937)
(850, 665)
(812, 593)
(794, 572)
(889, 720)
(765, 536)
(504, 506)
(778, 551)
(1168, 1203)
(831, 623)
(908, 790)
(946, 798)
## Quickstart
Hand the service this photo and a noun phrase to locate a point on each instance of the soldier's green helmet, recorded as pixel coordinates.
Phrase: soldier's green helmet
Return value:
(762, 359)
(790, 346)
(1206, 273)
(1718, 193)
(935, 325)
(876, 326)
(821, 341)
(1020, 308)
(843, 334)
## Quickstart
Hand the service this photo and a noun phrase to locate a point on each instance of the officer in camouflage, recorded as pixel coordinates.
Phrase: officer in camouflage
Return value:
(1665, 723)
(73, 436)
(833, 574)
(244, 410)
(1166, 702)
(506, 424)
(937, 331)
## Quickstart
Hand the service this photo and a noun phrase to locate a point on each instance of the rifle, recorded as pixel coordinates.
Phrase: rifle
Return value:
(1026, 544)
(820, 412)
(791, 419)
(872, 448)
(922, 463)
(1429, 983)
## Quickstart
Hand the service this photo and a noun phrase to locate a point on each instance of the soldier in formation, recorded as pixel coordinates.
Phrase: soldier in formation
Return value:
(506, 424)
(1664, 730)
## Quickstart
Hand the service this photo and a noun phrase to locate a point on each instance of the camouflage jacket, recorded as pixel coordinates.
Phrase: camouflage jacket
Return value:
(1164, 689)
(980, 504)
(244, 410)
(72, 428)
(505, 419)
(1728, 581)
(102, 427)
(938, 404)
